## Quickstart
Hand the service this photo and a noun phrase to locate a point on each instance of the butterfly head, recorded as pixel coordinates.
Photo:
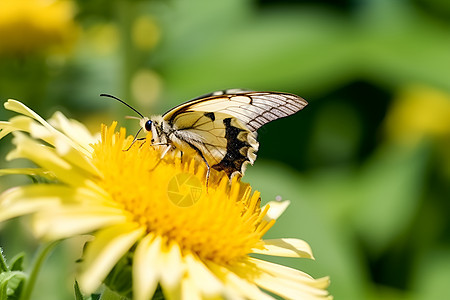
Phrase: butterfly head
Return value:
(146, 124)
(153, 125)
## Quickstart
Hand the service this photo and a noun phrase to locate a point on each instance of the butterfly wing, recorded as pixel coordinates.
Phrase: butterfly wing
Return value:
(253, 109)
(222, 126)
(220, 139)
(220, 93)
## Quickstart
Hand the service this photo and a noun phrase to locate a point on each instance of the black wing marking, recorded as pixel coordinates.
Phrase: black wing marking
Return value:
(225, 143)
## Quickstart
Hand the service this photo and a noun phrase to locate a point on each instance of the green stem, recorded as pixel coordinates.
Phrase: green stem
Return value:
(35, 268)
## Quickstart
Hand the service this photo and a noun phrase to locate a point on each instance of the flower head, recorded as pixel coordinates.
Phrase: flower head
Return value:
(30, 26)
(191, 240)
(419, 111)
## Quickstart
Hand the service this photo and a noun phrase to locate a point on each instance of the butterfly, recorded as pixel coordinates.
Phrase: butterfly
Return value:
(220, 127)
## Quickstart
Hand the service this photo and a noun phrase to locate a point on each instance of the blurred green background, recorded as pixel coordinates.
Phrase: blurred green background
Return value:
(366, 164)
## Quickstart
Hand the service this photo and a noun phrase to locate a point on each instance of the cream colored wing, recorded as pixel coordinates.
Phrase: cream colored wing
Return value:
(220, 139)
(222, 92)
(252, 109)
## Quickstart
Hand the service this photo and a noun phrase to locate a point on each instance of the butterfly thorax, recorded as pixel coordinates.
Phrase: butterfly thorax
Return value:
(169, 136)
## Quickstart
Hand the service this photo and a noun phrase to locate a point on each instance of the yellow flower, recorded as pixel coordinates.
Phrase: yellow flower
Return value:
(30, 26)
(145, 33)
(192, 241)
(419, 111)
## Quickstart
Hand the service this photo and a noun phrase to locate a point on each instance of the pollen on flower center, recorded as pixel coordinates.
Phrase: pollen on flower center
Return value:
(222, 222)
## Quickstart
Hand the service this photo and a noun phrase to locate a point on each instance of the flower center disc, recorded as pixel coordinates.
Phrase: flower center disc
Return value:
(221, 222)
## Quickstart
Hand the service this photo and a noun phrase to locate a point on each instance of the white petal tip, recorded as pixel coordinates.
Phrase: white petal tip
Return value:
(276, 209)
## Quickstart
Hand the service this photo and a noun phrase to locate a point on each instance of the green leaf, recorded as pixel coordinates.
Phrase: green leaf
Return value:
(3, 265)
(109, 294)
(119, 279)
(17, 262)
(78, 294)
(11, 284)
(11, 279)
(158, 295)
(3, 290)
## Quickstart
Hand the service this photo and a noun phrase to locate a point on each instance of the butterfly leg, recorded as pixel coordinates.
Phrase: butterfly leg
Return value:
(142, 143)
(160, 144)
(208, 168)
(140, 139)
(208, 171)
(169, 146)
(165, 151)
(135, 139)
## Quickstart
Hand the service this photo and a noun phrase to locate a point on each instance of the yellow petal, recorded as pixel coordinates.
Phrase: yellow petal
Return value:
(173, 293)
(5, 129)
(69, 220)
(27, 124)
(189, 289)
(27, 199)
(173, 267)
(75, 157)
(281, 271)
(287, 247)
(103, 253)
(27, 171)
(64, 147)
(15, 123)
(58, 193)
(38, 132)
(73, 129)
(235, 283)
(22, 109)
(276, 209)
(48, 159)
(202, 278)
(147, 267)
(290, 290)
(286, 281)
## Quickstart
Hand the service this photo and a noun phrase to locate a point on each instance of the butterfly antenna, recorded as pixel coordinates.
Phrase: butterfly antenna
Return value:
(123, 102)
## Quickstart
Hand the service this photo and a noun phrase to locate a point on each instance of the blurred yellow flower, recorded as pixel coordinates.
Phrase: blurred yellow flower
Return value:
(146, 87)
(103, 38)
(145, 33)
(33, 26)
(192, 241)
(419, 111)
